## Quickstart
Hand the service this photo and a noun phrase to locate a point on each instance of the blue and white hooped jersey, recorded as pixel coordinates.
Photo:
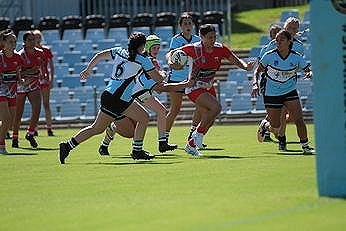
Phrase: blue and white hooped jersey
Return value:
(281, 72)
(178, 41)
(297, 46)
(125, 72)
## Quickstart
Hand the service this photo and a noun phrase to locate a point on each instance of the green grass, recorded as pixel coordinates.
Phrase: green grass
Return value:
(248, 26)
(240, 185)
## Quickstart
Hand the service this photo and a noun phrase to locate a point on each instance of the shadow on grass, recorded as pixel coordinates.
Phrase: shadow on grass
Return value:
(39, 149)
(141, 162)
(207, 149)
(221, 157)
(20, 154)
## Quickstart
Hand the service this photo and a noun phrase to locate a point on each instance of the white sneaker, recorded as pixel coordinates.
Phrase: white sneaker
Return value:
(191, 150)
(261, 130)
(198, 139)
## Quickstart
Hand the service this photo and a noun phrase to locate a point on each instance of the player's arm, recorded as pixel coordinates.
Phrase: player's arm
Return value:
(156, 75)
(255, 87)
(165, 87)
(103, 55)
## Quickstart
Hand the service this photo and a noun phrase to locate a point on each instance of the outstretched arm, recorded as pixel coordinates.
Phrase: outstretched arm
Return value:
(103, 55)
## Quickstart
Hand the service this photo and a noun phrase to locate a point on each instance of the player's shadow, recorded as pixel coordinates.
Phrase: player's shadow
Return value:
(136, 162)
(39, 149)
(207, 149)
(220, 157)
(20, 154)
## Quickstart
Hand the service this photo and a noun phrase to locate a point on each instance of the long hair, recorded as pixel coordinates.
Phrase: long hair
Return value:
(136, 40)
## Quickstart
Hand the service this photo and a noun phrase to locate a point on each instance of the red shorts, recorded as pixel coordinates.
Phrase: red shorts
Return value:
(193, 95)
(11, 101)
(44, 83)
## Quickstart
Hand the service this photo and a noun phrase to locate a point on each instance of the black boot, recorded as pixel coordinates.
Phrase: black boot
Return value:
(141, 155)
(165, 146)
(103, 150)
(64, 151)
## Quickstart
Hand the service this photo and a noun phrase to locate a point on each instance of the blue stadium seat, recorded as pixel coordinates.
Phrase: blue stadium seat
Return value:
(120, 35)
(72, 34)
(289, 13)
(50, 35)
(59, 93)
(237, 75)
(228, 88)
(144, 29)
(96, 80)
(84, 94)
(164, 32)
(241, 103)
(304, 87)
(70, 109)
(78, 67)
(71, 81)
(259, 107)
(106, 44)
(95, 34)
(60, 46)
(61, 69)
(72, 57)
(83, 46)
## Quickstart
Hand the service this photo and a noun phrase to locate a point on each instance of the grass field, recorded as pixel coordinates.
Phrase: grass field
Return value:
(248, 26)
(239, 184)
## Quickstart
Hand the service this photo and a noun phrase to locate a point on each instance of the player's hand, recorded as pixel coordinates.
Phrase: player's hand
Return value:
(308, 75)
(190, 82)
(255, 90)
(84, 74)
(176, 66)
(250, 65)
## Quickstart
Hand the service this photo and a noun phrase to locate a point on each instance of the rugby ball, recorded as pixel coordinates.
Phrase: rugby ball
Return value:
(179, 57)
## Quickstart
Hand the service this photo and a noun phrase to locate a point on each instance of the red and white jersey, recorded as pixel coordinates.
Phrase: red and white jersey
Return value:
(30, 60)
(47, 56)
(205, 64)
(8, 74)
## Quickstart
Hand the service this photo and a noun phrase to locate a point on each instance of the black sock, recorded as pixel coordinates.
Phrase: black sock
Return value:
(282, 138)
(72, 143)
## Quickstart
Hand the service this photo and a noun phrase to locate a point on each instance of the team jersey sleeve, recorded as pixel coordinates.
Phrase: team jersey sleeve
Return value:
(174, 44)
(264, 61)
(147, 82)
(146, 63)
(189, 50)
(114, 51)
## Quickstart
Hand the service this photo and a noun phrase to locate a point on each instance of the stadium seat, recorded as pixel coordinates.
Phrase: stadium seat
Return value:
(4, 23)
(96, 80)
(238, 75)
(60, 46)
(164, 32)
(70, 109)
(289, 13)
(50, 35)
(23, 24)
(61, 70)
(72, 34)
(304, 87)
(49, 23)
(72, 27)
(241, 103)
(72, 57)
(215, 18)
(228, 88)
(104, 44)
(71, 81)
(120, 35)
(83, 46)
(93, 26)
(142, 22)
(95, 34)
(118, 26)
(84, 94)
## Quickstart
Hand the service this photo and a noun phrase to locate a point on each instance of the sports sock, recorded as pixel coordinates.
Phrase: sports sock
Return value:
(162, 136)
(72, 143)
(137, 145)
(110, 132)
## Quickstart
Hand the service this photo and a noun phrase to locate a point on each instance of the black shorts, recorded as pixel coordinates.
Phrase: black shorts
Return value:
(278, 101)
(172, 81)
(112, 105)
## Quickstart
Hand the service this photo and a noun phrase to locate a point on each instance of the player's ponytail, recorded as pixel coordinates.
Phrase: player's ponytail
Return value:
(136, 40)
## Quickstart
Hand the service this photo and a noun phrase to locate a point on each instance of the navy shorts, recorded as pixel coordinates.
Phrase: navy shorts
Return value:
(278, 101)
(112, 105)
